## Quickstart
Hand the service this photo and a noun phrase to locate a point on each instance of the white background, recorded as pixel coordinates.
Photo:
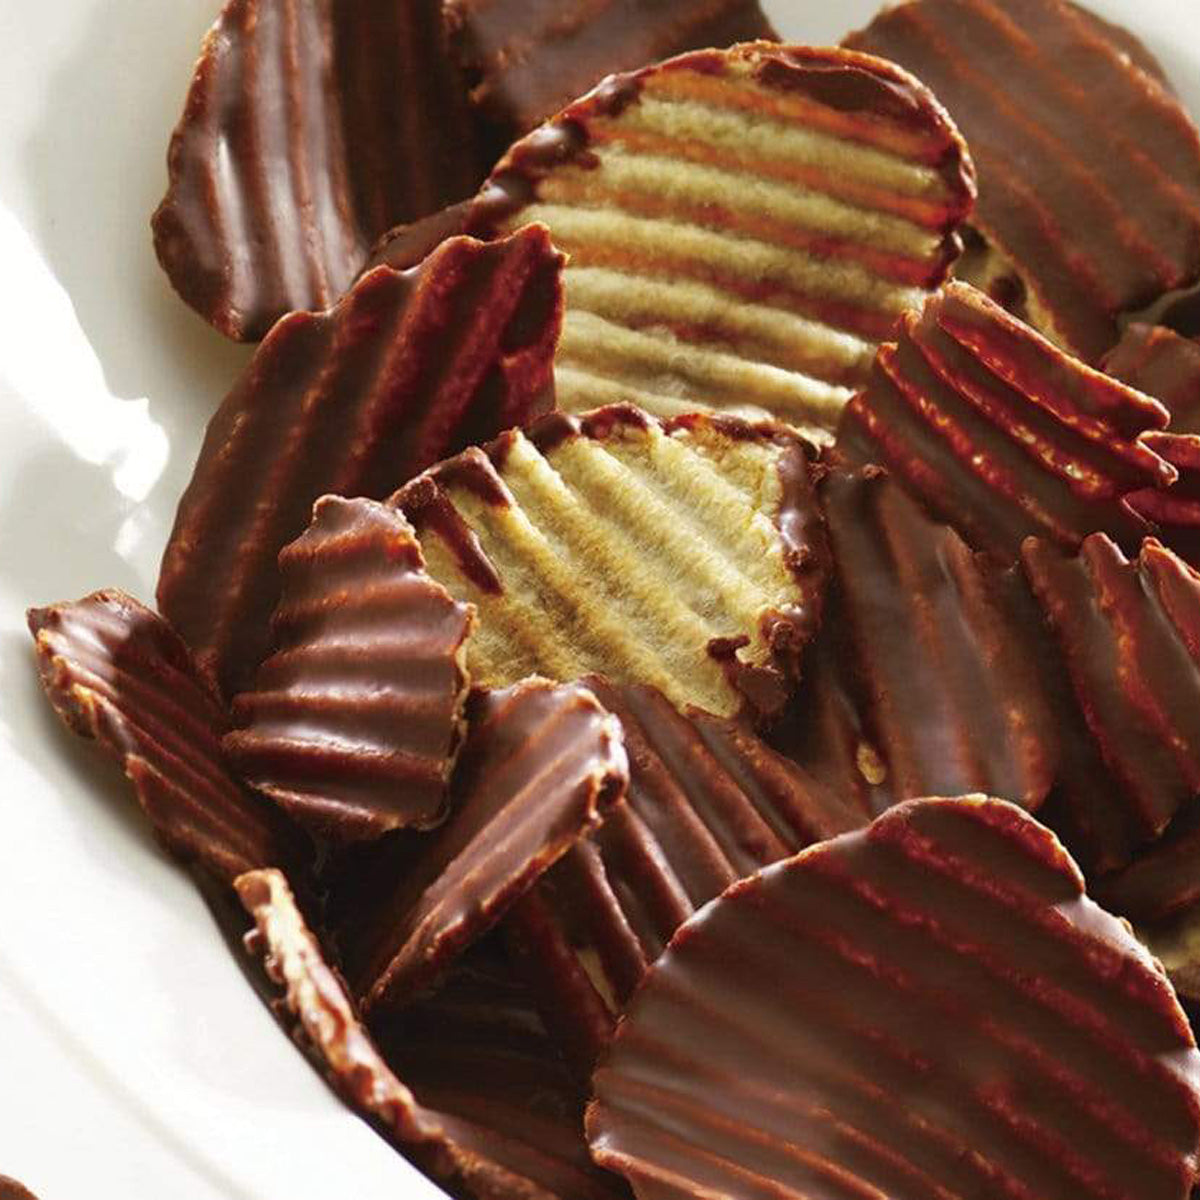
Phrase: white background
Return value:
(134, 1060)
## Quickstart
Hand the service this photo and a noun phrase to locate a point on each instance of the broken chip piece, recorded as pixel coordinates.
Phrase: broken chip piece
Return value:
(354, 721)
(1158, 361)
(1127, 636)
(688, 554)
(526, 59)
(541, 764)
(1089, 167)
(743, 227)
(464, 1152)
(930, 1007)
(1002, 434)
(406, 369)
(708, 803)
(309, 129)
(116, 672)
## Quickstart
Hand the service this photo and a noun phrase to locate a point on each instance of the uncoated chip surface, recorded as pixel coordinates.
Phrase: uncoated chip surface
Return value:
(928, 1008)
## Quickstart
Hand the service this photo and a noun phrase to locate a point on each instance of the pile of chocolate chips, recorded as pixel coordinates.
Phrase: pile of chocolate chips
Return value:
(684, 640)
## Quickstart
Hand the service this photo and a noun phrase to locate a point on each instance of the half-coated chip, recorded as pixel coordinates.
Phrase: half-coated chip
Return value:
(743, 227)
(687, 554)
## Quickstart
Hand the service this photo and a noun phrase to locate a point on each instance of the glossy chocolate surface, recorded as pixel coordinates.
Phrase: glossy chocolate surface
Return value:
(309, 129)
(526, 59)
(354, 721)
(458, 1106)
(708, 803)
(1000, 433)
(116, 672)
(930, 1007)
(1163, 364)
(541, 764)
(1089, 168)
(408, 368)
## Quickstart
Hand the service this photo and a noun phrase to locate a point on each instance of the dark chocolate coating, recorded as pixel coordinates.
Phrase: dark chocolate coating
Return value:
(118, 673)
(1000, 433)
(310, 128)
(1174, 511)
(930, 1007)
(408, 368)
(354, 721)
(1089, 168)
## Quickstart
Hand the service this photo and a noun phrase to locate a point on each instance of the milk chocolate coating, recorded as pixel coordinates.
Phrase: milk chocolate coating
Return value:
(526, 59)
(1000, 433)
(408, 368)
(930, 1007)
(1128, 636)
(309, 129)
(708, 803)
(354, 721)
(472, 1127)
(1175, 510)
(1089, 168)
(542, 762)
(1163, 364)
(116, 672)
(10, 1189)
(950, 697)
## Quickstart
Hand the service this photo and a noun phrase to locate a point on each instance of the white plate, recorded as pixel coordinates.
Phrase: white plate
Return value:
(134, 1060)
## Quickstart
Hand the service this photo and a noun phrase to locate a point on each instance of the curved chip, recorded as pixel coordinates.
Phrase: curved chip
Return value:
(931, 1007)
(526, 59)
(407, 368)
(470, 1156)
(951, 697)
(116, 672)
(10, 1189)
(743, 227)
(687, 554)
(708, 803)
(1089, 167)
(1175, 510)
(309, 129)
(354, 721)
(541, 764)
(1158, 361)
(1128, 637)
(1000, 433)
